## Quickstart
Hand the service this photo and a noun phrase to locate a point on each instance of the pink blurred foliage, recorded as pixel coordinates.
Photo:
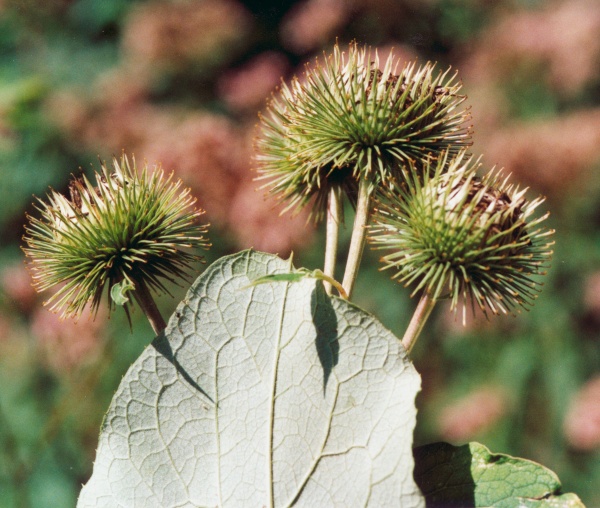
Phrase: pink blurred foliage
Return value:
(591, 295)
(552, 156)
(255, 220)
(562, 36)
(16, 285)
(174, 34)
(474, 414)
(212, 155)
(558, 43)
(312, 23)
(5, 327)
(206, 152)
(582, 422)
(402, 54)
(66, 344)
(248, 87)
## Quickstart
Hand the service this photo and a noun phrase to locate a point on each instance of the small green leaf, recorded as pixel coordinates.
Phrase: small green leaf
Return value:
(470, 475)
(297, 276)
(119, 290)
(281, 277)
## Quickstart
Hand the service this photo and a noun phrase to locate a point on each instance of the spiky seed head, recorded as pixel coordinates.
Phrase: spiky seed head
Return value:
(346, 119)
(451, 233)
(132, 227)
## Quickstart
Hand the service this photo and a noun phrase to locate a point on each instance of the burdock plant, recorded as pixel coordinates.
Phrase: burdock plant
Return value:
(351, 126)
(126, 234)
(452, 234)
(322, 391)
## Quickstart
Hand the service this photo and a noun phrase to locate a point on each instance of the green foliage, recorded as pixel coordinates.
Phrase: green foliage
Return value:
(272, 394)
(470, 475)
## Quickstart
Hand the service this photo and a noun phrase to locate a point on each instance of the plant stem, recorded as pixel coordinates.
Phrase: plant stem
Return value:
(422, 312)
(334, 212)
(359, 232)
(149, 308)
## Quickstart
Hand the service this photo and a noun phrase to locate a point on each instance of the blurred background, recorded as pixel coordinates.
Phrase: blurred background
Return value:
(181, 83)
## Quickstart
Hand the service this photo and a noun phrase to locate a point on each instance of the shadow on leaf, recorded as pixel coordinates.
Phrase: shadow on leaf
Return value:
(163, 346)
(325, 321)
(443, 473)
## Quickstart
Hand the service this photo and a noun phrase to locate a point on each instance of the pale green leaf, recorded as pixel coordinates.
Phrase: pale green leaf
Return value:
(470, 475)
(118, 293)
(297, 276)
(269, 395)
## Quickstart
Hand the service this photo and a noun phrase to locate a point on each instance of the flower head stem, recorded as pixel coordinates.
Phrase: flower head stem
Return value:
(148, 305)
(417, 322)
(334, 213)
(359, 232)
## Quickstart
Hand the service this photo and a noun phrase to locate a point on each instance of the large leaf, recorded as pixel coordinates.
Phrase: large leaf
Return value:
(264, 395)
(470, 475)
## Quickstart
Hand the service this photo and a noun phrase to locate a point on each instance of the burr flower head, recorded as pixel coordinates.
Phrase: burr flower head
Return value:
(346, 119)
(453, 234)
(132, 228)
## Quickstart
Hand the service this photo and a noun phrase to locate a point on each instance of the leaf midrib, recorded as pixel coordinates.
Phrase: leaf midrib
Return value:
(277, 355)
